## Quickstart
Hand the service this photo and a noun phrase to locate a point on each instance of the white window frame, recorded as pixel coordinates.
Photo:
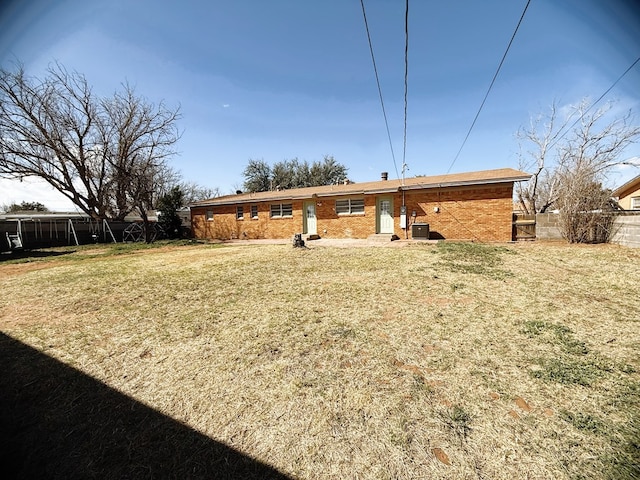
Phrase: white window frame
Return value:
(209, 215)
(277, 210)
(254, 212)
(635, 203)
(239, 212)
(345, 206)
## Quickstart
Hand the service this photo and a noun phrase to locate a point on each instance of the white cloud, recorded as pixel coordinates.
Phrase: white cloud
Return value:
(34, 190)
(621, 174)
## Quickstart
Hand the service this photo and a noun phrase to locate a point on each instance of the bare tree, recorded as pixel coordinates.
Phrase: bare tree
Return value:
(539, 193)
(570, 165)
(107, 155)
(192, 192)
(589, 152)
(137, 139)
(585, 208)
(595, 142)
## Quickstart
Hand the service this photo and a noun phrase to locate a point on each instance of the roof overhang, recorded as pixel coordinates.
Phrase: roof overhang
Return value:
(377, 188)
(249, 199)
(627, 188)
(464, 183)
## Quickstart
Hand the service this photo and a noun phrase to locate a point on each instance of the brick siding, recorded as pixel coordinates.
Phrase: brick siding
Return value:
(482, 213)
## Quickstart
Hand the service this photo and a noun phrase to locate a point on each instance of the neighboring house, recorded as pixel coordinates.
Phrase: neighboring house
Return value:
(470, 206)
(628, 195)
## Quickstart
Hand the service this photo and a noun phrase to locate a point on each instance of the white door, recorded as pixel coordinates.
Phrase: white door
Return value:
(310, 218)
(385, 215)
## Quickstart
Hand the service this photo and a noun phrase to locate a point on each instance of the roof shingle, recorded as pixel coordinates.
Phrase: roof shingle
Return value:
(483, 177)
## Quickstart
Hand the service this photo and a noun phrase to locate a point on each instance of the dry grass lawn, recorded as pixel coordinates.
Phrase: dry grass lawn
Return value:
(448, 361)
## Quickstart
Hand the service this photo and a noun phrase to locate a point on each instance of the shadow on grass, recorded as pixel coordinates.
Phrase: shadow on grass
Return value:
(57, 422)
(24, 255)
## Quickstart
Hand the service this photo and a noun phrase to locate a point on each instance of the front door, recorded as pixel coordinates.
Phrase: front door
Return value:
(310, 225)
(385, 215)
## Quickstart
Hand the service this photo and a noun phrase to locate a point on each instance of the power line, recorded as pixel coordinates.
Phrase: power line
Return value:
(490, 86)
(375, 69)
(406, 74)
(594, 104)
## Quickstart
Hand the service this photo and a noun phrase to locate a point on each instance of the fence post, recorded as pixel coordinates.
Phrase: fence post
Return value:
(72, 230)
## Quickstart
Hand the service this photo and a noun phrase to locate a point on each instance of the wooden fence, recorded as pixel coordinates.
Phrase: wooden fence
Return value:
(524, 227)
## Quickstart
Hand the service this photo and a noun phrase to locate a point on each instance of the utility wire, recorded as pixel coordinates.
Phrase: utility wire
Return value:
(375, 69)
(406, 74)
(593, 104)
(490, 86)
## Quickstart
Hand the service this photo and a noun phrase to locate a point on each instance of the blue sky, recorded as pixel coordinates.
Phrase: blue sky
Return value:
(280, 79)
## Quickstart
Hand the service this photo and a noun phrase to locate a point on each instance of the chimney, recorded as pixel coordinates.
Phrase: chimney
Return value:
(384, 176)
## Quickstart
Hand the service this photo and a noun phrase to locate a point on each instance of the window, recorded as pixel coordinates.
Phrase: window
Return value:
(239, 213)
(281, 210)
(254, 211)
(209, 215)
(635, 203)
(350, 206)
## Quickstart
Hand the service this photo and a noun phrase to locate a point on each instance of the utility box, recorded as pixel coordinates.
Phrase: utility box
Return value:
(420, 231)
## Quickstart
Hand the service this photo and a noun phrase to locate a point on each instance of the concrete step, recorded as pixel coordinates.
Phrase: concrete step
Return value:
(383, 237)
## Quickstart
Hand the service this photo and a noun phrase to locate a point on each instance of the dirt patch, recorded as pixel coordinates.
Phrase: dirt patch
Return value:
(16, 269)
(441, 456)
(522, 404)
(92, 251)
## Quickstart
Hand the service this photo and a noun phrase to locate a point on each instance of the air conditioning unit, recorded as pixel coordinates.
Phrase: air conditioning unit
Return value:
(420, 231)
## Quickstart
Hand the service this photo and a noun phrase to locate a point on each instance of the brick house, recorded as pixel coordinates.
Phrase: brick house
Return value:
(461, 206)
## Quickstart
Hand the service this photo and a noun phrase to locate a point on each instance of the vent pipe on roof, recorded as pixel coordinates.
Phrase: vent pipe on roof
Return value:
(384, 176)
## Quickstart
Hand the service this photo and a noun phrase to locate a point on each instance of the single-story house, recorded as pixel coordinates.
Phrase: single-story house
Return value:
(628, 195)
(461, 206)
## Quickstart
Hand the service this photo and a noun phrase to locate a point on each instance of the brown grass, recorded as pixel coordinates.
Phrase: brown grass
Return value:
(430, 361)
